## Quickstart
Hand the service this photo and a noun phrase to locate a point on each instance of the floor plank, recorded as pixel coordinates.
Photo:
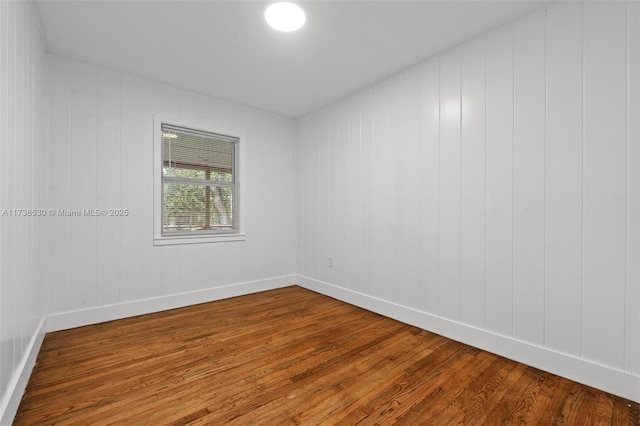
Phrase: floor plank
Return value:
(291, 356)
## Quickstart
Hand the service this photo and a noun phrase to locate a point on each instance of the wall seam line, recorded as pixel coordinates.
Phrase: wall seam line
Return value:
(582, 182)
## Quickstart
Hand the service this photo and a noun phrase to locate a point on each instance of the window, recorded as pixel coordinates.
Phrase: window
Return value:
(198, 184)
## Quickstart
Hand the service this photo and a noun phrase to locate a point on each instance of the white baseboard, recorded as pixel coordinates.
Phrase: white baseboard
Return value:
(611, 380)
(18, 382)
(79, 318)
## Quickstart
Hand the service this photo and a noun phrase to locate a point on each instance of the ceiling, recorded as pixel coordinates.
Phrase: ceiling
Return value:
(225, 49)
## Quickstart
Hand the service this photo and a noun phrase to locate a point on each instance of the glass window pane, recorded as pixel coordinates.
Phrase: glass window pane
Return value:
(197, 207)
(197, 173)
(178, 172)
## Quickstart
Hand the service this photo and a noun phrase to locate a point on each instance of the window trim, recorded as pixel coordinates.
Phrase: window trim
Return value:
(238, 233)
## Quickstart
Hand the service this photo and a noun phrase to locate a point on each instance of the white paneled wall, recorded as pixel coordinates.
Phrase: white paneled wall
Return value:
(101, 145)
(605, 170)
(564, 175)
(22, 173)
(496, 188)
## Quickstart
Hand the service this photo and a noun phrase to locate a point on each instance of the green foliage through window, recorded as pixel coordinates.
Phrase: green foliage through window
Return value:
(197, 182)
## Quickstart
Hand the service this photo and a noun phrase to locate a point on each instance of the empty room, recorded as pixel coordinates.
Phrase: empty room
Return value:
(319, 212)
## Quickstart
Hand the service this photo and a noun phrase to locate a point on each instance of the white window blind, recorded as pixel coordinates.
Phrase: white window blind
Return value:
(199, 185)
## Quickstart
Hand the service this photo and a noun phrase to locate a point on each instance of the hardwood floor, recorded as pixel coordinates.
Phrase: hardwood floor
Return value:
(291, 356)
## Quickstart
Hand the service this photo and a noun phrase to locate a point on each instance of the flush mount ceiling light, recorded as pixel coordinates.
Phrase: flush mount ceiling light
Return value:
(285, 16)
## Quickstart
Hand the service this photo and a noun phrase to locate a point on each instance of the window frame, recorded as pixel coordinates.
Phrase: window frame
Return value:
(197, 237)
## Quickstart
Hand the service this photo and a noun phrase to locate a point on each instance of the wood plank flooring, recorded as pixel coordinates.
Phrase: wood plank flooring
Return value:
(291, 356)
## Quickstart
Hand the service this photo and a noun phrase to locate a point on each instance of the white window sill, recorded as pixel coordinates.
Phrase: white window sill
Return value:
(198, 239)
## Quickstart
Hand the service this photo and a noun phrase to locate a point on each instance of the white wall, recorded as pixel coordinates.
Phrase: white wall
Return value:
(22, 157)
(101, 144)
(493, 193)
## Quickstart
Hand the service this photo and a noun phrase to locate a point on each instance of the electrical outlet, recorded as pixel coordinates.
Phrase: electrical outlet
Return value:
(330, 261)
